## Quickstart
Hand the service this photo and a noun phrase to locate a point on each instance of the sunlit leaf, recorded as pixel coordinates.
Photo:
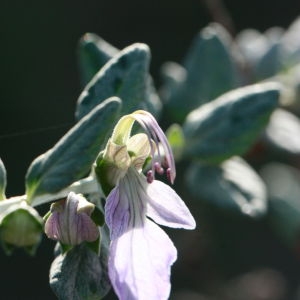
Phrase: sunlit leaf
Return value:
(283, 133)
(93, 54)
(232, 186)
(73, 155)
(210, 71)
(282, 182)
(230, 124)
(126, 75)
(80, 273)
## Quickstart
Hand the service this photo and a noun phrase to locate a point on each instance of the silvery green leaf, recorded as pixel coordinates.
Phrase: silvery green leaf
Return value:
(210, 71)
(80, 273)
(93, 54)
(232, 186)
(282, 182)
(253, 45)
(283, 133)
(291, 41)
(290, 80)
(272, 62)
(2, 180)
(152, 101)
(230, 124)
(73, 155)
(126, 76)
(264, 52)
(20, 226)
(274, 34)
(173, 75)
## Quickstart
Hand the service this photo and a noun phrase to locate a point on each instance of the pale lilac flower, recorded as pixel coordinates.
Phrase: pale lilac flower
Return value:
(141, 253)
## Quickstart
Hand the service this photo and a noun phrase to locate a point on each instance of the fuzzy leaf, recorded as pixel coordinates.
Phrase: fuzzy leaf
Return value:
(272, 62)
(229, 125)
(232, 186)
(210, 72)
(80, 273)
(283, 132)
(252, 44)
(72, 157)
(291, 41)
(93, 54)
(126, 76)
(282, 182)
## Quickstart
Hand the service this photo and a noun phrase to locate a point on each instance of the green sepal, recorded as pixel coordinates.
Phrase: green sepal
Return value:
(94, 246)
(65, 248)
(73, 156)
(101, 169)
(97, 216)
(231, 124)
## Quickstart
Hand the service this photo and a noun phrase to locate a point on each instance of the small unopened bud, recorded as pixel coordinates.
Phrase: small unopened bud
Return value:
(70, 222)
(21, 226)
(111, 165)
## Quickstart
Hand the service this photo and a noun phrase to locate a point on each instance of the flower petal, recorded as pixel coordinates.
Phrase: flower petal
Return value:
(87, 230)
(139, 145)
(166, 208)
(52, 226)
(117, 213)
(139, 263)
(125, 208)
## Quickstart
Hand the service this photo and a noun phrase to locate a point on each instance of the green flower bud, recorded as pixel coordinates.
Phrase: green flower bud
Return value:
(112, 165)
(21, 226)
(114, 162)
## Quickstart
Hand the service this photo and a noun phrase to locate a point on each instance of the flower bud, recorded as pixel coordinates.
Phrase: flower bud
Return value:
(112, 164)
(21, 226)
(70, 222)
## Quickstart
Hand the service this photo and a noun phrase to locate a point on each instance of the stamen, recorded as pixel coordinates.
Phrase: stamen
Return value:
(154, 132)
(169, 175)
(158, 168)
(150, 176)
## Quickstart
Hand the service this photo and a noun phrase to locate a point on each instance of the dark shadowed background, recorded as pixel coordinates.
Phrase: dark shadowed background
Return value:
(39, 83)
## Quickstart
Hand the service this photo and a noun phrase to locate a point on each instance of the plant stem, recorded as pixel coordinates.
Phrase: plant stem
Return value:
(84, 186)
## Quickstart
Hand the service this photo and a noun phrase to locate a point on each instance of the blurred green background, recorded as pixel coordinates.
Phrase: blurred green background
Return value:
(39, 88)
